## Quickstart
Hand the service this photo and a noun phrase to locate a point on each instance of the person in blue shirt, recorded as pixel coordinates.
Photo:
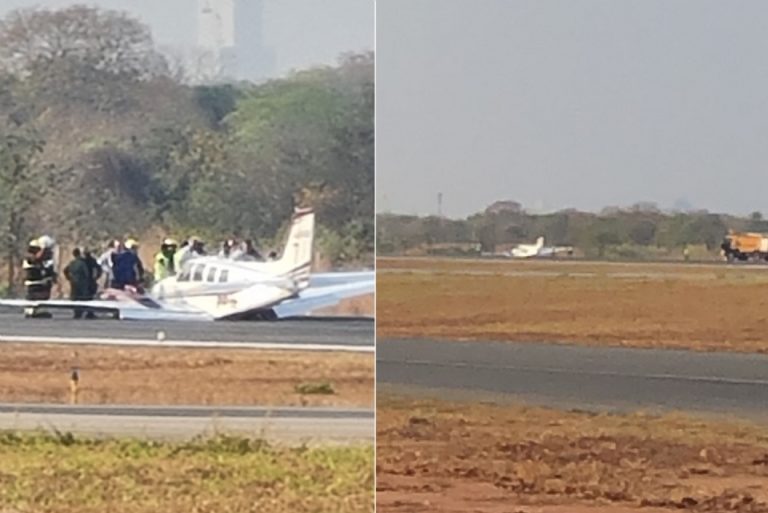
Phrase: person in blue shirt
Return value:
(126, 268)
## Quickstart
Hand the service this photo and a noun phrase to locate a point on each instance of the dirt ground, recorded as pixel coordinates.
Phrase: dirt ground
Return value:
(108, 375)
(363, 306)
(644, 305)
(454, 457)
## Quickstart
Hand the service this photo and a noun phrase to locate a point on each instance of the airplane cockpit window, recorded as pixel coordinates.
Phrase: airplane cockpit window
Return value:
(211, 274)
(224, 276)
(184, 275)
(197, 275)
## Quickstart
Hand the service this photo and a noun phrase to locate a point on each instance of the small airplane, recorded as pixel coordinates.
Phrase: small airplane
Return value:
(538, 250)
(214, 288)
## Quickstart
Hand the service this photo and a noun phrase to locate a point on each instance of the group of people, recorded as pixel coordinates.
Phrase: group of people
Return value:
(120, 266)
(245, 250)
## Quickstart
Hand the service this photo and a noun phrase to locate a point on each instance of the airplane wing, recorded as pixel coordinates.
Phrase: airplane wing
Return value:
(121, 309)
(329, 294)
(340, 278)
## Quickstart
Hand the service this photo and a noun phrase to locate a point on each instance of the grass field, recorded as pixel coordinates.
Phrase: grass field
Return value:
(455, 457)
(62, 474)
(111, 375)
(706, 307)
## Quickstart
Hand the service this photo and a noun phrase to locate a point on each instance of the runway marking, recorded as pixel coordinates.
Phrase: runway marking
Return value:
(561, 370)
(272, 346)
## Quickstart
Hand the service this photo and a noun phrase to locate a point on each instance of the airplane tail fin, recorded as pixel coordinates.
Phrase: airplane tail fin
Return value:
(296, 260)
(540, 242)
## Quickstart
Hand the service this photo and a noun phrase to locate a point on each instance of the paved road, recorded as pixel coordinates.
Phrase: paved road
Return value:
(350, 332)
(581, 377)
(280, 425)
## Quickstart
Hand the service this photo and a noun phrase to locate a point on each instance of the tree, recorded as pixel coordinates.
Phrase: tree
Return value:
(20, 186)
(757, 223)
(79, 56)
(642, 232)
(107, 41)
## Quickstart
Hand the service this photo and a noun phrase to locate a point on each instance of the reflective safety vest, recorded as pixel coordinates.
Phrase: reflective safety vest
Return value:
(164, 266)
(38, 273)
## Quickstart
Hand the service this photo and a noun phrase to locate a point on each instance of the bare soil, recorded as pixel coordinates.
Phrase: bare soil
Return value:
(644, 305)
(454, 457)
(108, 375)
(362, 306)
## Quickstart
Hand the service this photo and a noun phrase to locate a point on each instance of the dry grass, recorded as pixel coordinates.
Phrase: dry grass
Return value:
(362, 306)
(644, 305)
(62, 474)
(434, 456)
(40, 373)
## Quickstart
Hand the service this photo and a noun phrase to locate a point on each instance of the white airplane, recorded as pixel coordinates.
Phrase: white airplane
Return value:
(213, 288)
(538, 250)
(527, 250)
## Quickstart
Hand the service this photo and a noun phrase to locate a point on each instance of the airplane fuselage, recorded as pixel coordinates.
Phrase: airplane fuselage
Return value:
(220, 287)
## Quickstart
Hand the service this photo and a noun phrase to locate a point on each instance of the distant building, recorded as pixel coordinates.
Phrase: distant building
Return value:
(231, 32)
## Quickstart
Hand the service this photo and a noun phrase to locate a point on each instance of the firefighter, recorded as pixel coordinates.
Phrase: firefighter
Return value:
(39, 274)
(79, 276)
(165, 261)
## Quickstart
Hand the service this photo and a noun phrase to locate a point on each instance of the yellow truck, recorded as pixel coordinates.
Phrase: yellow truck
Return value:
(745, 246)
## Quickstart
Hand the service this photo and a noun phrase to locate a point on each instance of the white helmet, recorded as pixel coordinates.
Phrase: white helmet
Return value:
(46, 242)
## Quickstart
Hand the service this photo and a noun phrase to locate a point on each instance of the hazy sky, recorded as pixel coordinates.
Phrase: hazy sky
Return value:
(572, 103)
(303, 32)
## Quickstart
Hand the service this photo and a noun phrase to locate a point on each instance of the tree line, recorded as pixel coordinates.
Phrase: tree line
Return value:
(101, 137)
(637, 232)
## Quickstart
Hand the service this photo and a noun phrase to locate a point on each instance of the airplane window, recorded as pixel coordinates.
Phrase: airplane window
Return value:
(224, 276)
(211, 275)
(198, 274)
(184, 276)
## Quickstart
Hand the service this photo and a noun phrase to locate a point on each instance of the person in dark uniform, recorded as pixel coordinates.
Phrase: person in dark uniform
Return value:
(251, 250)
(39, 277)
(94, 272)
(80, 280)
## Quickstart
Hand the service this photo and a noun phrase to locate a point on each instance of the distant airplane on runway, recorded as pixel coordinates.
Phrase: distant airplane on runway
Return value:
(213, 288)
(537, 250)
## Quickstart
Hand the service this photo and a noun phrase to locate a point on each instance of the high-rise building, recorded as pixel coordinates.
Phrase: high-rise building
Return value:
(232, 33)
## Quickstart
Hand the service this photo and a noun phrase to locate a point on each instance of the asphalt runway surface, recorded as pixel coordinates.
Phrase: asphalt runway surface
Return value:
(278, 425)
(592, 378)
(348, 332)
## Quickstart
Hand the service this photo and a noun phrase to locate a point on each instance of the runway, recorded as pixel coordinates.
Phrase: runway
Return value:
(580, 377)
(288, 333)
(625, 262)
(278, 425)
